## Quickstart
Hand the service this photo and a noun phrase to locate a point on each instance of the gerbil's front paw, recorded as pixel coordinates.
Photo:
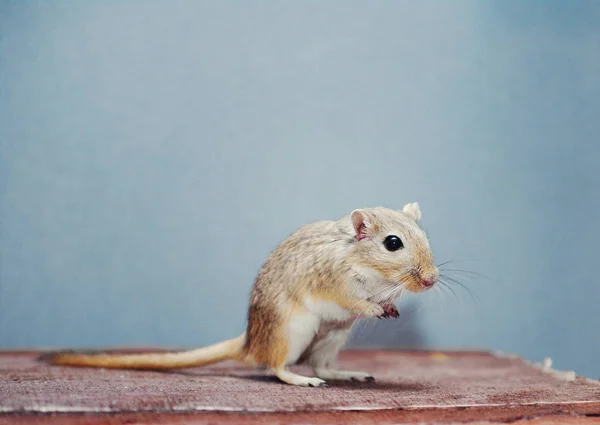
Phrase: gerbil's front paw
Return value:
(390, 310)
(374, 310)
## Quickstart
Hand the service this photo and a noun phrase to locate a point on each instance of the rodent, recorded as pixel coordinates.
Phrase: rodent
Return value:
(307, 296)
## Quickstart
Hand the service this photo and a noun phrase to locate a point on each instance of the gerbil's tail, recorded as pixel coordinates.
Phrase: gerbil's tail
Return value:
(226, 350)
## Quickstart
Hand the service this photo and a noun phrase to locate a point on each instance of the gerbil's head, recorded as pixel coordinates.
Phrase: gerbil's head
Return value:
(392, 244)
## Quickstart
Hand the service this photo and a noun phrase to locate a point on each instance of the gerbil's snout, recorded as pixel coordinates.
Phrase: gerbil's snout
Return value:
(423, 280)
(428, 283)
(428, 279)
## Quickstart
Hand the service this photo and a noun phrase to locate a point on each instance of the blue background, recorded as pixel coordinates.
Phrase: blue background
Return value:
(153, 153)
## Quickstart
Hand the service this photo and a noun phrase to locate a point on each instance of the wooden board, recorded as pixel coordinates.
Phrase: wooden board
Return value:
(410, 387)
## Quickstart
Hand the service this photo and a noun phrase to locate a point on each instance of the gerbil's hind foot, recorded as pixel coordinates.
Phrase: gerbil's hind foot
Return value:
(343, 375)
(294, 379)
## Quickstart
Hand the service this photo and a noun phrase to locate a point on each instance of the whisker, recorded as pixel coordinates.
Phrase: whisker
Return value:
(442, 295)
(360, 328)
(439, 294)
(467, 261)
(471, 273)
(465, 287)
(377, 292)
(373, 294)
(398, 329)
(388, 297)
(469, 279)
(448, 288)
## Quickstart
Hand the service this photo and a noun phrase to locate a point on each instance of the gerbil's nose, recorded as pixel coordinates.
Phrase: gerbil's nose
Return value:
(428, 282)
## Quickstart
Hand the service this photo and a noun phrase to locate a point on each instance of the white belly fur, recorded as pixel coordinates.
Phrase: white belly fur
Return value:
(316, 321)
(327, 311)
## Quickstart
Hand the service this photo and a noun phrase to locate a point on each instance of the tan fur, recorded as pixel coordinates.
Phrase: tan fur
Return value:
(325, 263)
(226, 350)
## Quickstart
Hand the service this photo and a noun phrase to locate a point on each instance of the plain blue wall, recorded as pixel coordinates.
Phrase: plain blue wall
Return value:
(153, 153)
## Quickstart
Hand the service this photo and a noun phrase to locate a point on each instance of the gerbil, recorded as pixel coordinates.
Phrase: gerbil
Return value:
(307, 296)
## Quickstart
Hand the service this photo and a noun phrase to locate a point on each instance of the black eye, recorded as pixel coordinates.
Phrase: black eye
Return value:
(393, 243)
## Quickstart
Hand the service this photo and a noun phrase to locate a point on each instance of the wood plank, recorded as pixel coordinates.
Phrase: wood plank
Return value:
(411, 386)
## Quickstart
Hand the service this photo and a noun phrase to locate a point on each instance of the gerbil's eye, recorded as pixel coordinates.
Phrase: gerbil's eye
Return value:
(393, 243)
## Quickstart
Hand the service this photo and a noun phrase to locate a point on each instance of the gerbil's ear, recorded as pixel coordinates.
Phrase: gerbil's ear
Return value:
(413, 211)
(362, 222)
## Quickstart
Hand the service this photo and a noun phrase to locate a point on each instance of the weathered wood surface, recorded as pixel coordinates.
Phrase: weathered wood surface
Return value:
(410, 387)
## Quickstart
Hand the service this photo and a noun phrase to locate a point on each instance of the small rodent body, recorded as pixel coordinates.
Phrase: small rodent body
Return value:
(308, 294)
